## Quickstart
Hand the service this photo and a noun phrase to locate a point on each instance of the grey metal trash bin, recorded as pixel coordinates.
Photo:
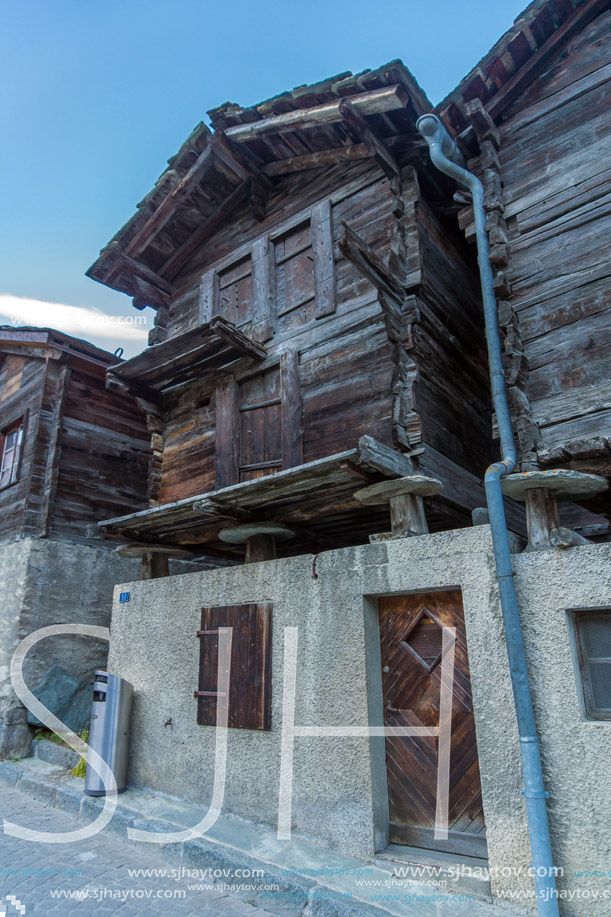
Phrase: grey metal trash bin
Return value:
(109, 731)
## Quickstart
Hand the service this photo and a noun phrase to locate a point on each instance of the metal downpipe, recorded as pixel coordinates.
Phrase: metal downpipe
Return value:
(446, 156)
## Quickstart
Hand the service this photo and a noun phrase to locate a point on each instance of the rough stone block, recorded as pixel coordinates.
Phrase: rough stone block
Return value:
(67, 698)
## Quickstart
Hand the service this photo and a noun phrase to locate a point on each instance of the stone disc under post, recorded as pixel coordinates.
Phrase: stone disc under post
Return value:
(541, 491)
(155, 558)
(405, 498)
(259, 537)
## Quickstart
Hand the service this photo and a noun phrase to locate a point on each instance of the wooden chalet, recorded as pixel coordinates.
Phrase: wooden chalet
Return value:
(318, 319)
(71, 451)
(318, 323)
(534, 115)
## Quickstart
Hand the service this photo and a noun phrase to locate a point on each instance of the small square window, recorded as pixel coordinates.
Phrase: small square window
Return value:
(11, 442)
(593, 637)
(424, 640)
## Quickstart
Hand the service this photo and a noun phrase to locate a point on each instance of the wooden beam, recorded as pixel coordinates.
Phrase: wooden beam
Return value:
(483, 125)
(523, 76)
(388, 98)
(238, 340)
(229, 156)
(384, 459)
(135, 389)
(359, 129)
(317, 160)
(162, 214)
(362, 256)
(179, 258)
(123, 264)
(38, 352)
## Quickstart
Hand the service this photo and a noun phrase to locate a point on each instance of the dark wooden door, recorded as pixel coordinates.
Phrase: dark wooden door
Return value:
(258, 423)
(411, 641)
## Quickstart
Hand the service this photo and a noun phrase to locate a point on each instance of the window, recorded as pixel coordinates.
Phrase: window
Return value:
(295, 281)
(11, 442)
(283, 279)
(235, 293)
(593, 637)
(250, 674)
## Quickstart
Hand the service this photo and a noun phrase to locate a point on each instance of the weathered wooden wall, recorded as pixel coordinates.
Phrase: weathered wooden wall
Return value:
(555, 153)
(354, 380)
(21, 385)
(85, 450)
(103, 464)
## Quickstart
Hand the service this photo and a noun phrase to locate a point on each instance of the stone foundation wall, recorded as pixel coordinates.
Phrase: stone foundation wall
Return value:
(45, 582)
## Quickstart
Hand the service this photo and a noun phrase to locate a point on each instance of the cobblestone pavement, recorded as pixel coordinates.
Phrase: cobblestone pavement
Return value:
(92, 877)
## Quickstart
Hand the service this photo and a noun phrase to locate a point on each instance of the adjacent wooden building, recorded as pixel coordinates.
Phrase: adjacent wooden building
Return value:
(72, 452)
(534, 115)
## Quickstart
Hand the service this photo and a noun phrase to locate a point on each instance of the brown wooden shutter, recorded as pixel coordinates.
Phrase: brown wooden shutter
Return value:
(250, 673)
(324, 263)
(292, 453)
(227, 433)
(260, 419)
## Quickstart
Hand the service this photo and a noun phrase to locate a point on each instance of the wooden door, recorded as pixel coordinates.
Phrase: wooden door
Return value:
(411, 641)
(258, 423)
(260, 433)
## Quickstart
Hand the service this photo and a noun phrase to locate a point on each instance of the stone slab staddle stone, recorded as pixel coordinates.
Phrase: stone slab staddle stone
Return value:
(239, 534)
(560, 483)
(417, 485)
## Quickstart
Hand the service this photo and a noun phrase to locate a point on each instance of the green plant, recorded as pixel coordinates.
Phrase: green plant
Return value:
(81, 767)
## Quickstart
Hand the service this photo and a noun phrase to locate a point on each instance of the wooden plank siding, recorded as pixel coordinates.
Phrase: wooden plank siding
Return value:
(104, 454)
(554, 155)
(85, 451)
(21, 392)
(347, 372)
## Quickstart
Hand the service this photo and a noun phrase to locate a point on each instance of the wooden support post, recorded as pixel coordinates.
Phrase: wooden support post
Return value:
(541, 518)
(405, 496)
(154, 565)
(407, 516)
(260, 547)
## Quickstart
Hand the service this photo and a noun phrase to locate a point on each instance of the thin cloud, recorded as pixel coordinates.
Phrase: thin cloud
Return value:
(79, 321)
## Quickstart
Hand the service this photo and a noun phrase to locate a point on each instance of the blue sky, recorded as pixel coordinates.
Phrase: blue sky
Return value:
(96, 96)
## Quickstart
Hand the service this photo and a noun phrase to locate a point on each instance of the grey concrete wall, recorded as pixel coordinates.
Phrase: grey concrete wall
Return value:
(46, 582)
(14, 733)
(339, 790)
(576, 753)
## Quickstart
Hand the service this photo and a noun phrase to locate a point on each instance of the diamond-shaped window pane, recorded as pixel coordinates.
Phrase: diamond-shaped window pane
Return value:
(424, 640)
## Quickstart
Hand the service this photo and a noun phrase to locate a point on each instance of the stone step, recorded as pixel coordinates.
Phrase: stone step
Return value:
(53, 753)
(464, 874)
(306, 880)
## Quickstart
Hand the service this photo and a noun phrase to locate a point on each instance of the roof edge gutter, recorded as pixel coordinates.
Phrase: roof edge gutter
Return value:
(446, 156)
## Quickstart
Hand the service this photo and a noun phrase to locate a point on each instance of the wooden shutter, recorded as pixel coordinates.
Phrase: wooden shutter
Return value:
(250, 673)
(227, 433)
(324, 262)
(260, 425)
(235, 292)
